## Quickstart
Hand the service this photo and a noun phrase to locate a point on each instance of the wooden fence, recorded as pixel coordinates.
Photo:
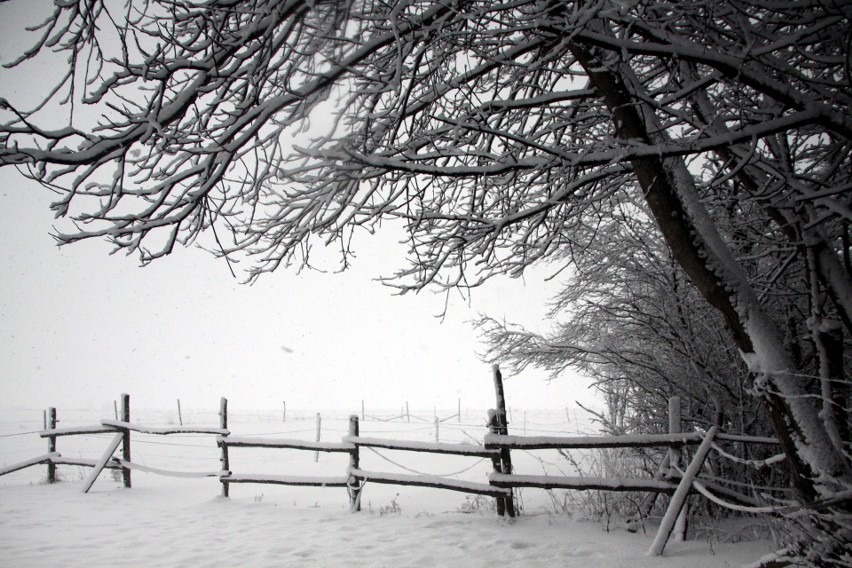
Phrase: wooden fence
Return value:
(497, 446)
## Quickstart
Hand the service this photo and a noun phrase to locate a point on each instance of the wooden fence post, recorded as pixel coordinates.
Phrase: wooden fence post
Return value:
(319, 427)
(675, 427)
(503, 428)
(675, 455)
(353, 485)
(125, 442)
(496, 462)
(51, 444)
(284, 415)
(407, 414)
(437, 433)
(226, 464)
(180, 416)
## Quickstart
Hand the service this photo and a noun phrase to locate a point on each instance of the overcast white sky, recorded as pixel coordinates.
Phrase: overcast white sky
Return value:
(78, 326)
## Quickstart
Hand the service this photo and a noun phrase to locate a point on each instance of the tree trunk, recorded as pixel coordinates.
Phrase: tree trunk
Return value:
(670, 193)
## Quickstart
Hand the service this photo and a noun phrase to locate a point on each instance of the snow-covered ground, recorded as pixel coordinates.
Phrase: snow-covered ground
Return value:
(170, 521)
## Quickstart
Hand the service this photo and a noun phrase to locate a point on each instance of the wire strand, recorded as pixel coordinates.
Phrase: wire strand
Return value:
(387, 459)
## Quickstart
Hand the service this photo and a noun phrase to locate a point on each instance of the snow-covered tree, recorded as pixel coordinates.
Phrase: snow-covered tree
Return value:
(496, 132)
(628, 318)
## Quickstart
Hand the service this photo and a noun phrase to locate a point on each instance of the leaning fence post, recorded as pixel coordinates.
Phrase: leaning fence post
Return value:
(675, 427)
(51, 444)
(104, 460)
(226, 464)
(681, 493)
(125, 441)
(353, 484)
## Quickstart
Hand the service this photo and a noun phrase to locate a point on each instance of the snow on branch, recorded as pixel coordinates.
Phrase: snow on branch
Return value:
(473, 124)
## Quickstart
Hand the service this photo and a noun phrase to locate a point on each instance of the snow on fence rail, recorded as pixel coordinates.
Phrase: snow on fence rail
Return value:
(47, 458)
(587, 442)
(581, 483)
(430, 447)
(497, 446)
(118, 425)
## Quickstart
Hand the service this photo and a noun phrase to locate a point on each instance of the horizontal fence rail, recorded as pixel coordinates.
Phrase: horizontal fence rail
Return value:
(292, 480)
(581, 483)
(47, 458)
(590, 442)
(76, 430)
(118, 425)
(283, 444)
(432, 448)
(430, 481)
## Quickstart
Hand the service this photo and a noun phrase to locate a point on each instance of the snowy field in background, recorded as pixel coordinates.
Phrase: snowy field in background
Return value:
(169, 521)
